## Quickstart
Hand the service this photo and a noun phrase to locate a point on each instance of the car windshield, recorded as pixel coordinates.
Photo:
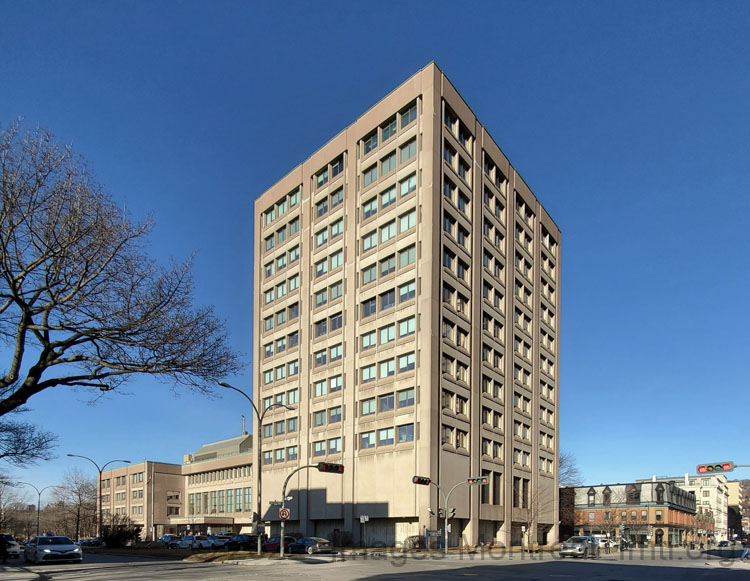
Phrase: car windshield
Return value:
(576, 540)
(54, 541)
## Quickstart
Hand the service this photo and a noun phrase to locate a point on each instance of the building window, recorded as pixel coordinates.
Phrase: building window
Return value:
(369, 340)
(370, 175)
(367, 440)
(334, 415)
(368, 406)
(334, 446)
(369, 307)
(388, 300)
(371, 142)
(407, 221)
(388, 231)
(337, 166)
(387, 197)
(370, 208)
(406, 292)
(388, 129)
(385, 437)
(319, 448)
(388, 164)
(407, 256)
(388, 265)
(368, 373)
(406, 327)
(386, 369)
(408, 185)
(387, 334)
(370, 241)
(335, 383)
(406, 397)
(369, 274)
(406, 362)
(408, 150)
(408, 115)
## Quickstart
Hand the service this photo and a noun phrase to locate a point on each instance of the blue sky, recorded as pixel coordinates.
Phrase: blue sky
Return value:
(629, 120)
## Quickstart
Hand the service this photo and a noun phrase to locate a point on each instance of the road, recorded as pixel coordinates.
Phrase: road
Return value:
(632, 565)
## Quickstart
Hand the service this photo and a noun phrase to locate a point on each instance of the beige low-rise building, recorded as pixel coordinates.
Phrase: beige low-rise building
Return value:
(210, 492)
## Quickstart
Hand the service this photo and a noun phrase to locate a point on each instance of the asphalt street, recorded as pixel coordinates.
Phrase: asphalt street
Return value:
(632, 565)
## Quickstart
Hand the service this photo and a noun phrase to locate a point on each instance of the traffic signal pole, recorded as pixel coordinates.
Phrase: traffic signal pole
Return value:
(481, 480)
(322, 467)
(718, 467)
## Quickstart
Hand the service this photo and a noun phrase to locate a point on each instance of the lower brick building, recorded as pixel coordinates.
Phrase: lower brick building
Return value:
(645, 513)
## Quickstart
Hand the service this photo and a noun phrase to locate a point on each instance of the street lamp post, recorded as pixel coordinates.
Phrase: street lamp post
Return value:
(39, 500)
(99, 496)
(258, 445)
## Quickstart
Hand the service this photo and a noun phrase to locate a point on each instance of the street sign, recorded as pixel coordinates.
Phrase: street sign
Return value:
(275, 503)
(283, 513)
(363, 518)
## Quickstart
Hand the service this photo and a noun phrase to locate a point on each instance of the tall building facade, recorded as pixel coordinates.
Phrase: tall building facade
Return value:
(407, 306)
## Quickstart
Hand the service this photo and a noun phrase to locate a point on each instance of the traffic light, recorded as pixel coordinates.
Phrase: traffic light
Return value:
(328, 467)
(715, 467)
(478, 480)
(421, 480)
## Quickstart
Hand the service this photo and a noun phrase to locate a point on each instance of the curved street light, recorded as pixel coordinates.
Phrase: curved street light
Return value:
(39, 500)
(258, 445)
(99, 496)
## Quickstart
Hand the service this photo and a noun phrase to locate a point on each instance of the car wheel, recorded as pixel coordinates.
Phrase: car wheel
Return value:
(310, 550)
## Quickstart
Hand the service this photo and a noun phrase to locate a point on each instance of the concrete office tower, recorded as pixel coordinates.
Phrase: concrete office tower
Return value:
(407, 304)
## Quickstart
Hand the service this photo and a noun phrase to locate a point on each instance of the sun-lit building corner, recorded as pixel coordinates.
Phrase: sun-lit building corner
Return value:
(407, 304)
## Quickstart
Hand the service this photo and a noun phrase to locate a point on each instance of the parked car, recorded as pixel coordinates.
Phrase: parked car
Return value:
(580, 547)
(192, 542)
(52, 548)
(217, 541)
(723, 543)
(13, 548)
(164, 540)
(273, 544)
(311, 545)
(242, 543)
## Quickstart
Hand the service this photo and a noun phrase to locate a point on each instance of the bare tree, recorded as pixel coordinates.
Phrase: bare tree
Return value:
(22, 443)
(77, 497)
(80, 303)
(570, 474)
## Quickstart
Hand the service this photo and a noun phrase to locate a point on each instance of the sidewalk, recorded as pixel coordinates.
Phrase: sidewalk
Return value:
(12, 573)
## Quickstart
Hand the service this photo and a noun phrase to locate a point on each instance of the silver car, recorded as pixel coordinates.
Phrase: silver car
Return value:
(14, 551)
(580, 547)
(52, 548)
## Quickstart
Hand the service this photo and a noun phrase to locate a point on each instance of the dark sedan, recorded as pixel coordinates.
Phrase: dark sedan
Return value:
(311, 545)
(241, 543)
(273, 544)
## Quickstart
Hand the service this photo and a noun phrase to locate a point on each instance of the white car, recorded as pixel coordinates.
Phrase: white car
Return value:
(193, 542)
(14, 551)
(52, 548)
